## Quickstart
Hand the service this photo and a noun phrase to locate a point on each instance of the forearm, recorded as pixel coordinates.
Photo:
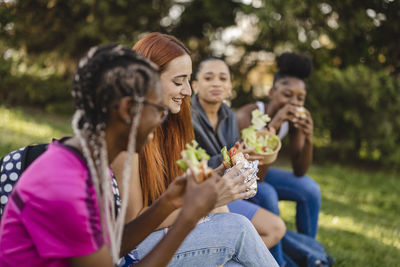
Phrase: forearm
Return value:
(139, 228)
(162, 253)
(169, 220)
(302, 158)
(262, 172)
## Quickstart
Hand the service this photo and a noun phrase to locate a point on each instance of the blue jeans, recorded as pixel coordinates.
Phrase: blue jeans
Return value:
(284, 185)
(221, 239)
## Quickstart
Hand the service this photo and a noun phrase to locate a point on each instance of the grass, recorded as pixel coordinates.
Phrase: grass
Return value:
(21, 127)
(360, 217)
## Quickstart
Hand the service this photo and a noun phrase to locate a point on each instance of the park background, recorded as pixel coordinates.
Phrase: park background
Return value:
(353, 92)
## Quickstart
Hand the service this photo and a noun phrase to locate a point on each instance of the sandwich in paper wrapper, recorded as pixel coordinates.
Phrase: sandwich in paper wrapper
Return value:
(234, 157)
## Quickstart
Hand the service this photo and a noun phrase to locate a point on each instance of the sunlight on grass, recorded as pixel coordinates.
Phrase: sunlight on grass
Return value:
(20, 128)
(359, 221)
(360, 215)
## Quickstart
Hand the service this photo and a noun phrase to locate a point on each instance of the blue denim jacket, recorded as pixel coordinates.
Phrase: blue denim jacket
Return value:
(226, 134)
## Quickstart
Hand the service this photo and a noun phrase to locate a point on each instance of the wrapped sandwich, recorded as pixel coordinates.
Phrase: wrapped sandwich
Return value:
(196, 159)
(232, 158)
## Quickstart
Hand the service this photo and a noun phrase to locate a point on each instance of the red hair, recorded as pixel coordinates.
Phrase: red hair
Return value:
(157, 161)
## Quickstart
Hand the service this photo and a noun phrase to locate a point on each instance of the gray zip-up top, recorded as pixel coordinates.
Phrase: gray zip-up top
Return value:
(226, 134)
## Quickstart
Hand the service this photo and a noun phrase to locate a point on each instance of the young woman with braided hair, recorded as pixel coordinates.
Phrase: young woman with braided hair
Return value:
(221, 238)
(61, 211)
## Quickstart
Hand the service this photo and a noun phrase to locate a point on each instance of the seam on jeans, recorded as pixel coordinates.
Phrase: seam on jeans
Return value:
(203, 251)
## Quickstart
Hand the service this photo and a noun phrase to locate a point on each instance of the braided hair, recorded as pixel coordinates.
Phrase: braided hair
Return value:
(292, 65)
(105, 75)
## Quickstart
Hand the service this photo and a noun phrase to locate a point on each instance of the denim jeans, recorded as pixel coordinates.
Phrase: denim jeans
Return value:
(220, 239)
(284, 185)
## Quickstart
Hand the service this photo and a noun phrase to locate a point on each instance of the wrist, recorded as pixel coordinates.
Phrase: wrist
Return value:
(166, 204)
(275, 123)
(186, 219)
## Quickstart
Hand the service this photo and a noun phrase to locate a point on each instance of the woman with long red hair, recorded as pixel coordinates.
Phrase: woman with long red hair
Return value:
(221, 238)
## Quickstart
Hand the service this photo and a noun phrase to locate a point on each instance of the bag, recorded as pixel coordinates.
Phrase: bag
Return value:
(12, 166)
(304, 251)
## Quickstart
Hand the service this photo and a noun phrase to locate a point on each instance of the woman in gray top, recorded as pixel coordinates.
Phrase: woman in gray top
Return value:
(215, 126)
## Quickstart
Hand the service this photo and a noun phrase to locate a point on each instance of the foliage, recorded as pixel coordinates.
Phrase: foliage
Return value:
(357, 107)
(50, 93)
(353, 45)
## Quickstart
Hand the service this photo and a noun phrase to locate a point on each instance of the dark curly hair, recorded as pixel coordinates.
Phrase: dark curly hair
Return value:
(293, 65)
(103, 76)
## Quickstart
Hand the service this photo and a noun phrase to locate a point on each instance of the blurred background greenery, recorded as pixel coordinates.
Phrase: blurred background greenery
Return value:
(353, 93)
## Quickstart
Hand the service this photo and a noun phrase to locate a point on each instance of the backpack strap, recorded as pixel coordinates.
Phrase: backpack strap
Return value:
(30, 154)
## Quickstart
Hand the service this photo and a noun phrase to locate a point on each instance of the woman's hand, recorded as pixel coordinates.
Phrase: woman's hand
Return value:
(231, 189)
(286, 113)
(249, 152)
(199, 199)
(175, 193)
(305, 125)
(220, 170)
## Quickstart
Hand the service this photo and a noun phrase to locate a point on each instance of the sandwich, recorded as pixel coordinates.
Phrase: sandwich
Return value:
(230, 159)
(195, 159)
(301, 113)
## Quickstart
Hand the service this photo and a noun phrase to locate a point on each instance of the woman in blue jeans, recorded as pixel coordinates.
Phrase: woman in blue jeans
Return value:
(222, 239)
(290, 118)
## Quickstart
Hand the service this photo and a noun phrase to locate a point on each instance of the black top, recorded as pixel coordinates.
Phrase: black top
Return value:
(226, 134)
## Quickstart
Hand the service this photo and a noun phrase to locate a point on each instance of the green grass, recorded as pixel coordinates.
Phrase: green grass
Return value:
(22, 127)
(360, 217)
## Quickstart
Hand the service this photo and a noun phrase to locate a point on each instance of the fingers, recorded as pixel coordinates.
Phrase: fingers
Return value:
(237, 145)
(232, 173)
(305, 125)
(191, 179)
(243, 191)
(182, 178)
(248, 150)
(242, 177)
(256, 157)
(243, 195)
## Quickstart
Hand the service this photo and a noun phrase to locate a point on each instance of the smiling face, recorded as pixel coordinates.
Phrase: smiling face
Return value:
(175, 82)
(213, 84)
(288, 90)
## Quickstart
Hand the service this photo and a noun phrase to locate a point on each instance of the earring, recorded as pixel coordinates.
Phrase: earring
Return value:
(128, 121)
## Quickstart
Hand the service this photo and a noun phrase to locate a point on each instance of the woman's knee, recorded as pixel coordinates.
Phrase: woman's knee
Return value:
(312, 190)
(270, 226)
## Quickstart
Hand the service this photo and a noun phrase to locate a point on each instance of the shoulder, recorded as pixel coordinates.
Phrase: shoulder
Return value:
(56, 175)
(228, 110)
(244, 111)
(248, 107)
